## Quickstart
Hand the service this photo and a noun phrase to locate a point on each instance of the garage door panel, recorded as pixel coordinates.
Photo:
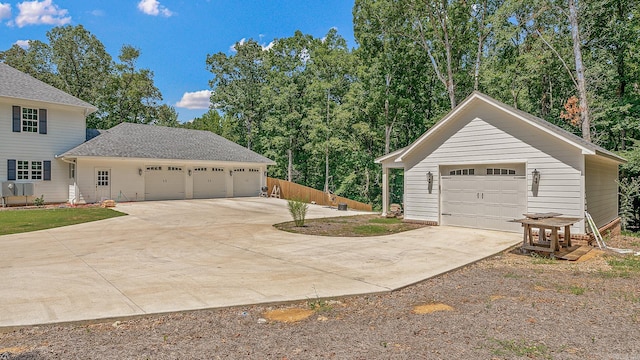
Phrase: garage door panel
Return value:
(209, 183)
(246, 182)
(487, 202)
(164, 183)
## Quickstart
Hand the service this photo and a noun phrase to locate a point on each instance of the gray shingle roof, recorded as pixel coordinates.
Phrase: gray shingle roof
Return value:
(18, 85)
(128, 140)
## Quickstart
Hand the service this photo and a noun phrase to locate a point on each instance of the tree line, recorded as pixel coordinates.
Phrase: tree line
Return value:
(324, 111)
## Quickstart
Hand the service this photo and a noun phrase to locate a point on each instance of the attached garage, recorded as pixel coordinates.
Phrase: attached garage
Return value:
(486, 163)
(151, 162)
(209, 183)
(246, 182)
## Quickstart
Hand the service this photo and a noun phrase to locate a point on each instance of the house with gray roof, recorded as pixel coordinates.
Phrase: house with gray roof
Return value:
(486, 163)
(133, 162)
(46, 150)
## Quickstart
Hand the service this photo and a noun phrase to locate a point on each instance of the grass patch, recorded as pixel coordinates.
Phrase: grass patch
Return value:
(576, 289)
(630, 233)
(520, 348)
(542, 260)
(370, 230)
(385, 221)
(624, 266)
(350, 226)
(20, 221)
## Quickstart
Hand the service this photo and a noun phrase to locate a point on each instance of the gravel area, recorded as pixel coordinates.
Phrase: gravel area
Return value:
(510, 306)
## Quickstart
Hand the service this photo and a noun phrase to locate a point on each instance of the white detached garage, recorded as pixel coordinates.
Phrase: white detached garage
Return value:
(476, 168)
(135, 162)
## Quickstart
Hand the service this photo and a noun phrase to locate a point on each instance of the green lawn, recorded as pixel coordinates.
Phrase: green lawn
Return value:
(19, 221)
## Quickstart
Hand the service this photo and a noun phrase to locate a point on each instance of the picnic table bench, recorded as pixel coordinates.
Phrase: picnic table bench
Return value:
(546, 221)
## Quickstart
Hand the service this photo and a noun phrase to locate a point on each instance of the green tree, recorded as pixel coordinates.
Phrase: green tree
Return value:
(237, 85)
(288, 82)
(130, 94)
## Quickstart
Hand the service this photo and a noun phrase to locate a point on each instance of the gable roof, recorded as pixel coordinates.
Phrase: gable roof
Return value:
(128, 140)
(18, 85)
(586, 147)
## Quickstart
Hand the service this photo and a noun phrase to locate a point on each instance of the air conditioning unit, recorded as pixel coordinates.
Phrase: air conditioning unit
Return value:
(8, 189)
(28, 189)
(18, 189)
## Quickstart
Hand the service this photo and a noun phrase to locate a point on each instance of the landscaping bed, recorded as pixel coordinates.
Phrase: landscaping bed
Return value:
(350, 226)
(510, 306)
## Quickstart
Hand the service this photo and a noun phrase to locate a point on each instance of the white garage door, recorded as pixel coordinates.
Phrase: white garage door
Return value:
(164, 183)
(486, 202)
(209, 183)
(246, 182)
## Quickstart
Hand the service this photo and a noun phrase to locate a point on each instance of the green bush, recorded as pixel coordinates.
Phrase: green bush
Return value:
(298, 210)
(39, 202)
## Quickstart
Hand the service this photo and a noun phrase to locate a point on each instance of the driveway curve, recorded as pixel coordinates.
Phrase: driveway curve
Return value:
(185, 255)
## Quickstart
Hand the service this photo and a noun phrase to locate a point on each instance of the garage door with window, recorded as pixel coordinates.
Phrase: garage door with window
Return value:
(164, 183)
(484, 198)
(246, 182)
(209, 183)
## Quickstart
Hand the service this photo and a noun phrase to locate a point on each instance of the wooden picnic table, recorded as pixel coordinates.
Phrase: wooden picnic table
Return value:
(554, 224)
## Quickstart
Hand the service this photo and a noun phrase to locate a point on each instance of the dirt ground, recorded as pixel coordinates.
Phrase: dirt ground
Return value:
(510, 306)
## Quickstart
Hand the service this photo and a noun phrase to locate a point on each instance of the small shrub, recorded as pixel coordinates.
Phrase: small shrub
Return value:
(39, 202)
(298, 210)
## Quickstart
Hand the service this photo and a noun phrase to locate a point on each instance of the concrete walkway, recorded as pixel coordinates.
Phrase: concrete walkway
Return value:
(196, 254)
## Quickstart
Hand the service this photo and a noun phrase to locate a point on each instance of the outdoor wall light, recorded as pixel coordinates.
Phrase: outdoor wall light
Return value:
(140, 171)
(535, 181)
(265, 174)
(429, 181)
(189, 172)
(230, 172)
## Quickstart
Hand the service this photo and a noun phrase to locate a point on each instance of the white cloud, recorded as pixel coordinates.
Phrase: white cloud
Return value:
(232, 48)
(5, 11)
(195, 100)
(23, 44)
(41, 12)
(97, 13)
(153, 7)
(268, 46)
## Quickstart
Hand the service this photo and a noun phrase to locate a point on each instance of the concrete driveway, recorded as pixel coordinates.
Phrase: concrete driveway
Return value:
(185, 255)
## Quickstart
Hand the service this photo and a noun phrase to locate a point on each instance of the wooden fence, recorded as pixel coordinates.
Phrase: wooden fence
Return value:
(289, 190)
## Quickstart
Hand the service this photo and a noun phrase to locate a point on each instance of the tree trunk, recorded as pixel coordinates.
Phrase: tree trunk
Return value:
(290, 166)
(476, 74)
(326, 150)
(387, 125)
(582, 88)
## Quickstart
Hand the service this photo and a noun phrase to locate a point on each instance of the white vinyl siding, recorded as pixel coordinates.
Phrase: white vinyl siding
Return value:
(601, 190)
(65, 130)
(484, 135)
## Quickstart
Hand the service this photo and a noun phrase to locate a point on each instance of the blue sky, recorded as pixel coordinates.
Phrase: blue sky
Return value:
(175, 36)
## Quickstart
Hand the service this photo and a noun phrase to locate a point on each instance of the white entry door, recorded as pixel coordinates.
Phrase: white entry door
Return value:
(486, 202)
(103, 184)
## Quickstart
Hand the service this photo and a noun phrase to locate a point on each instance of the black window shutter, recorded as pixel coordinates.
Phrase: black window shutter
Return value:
(47, 170)
(42, 119)
(16, 118)
(11, 169)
